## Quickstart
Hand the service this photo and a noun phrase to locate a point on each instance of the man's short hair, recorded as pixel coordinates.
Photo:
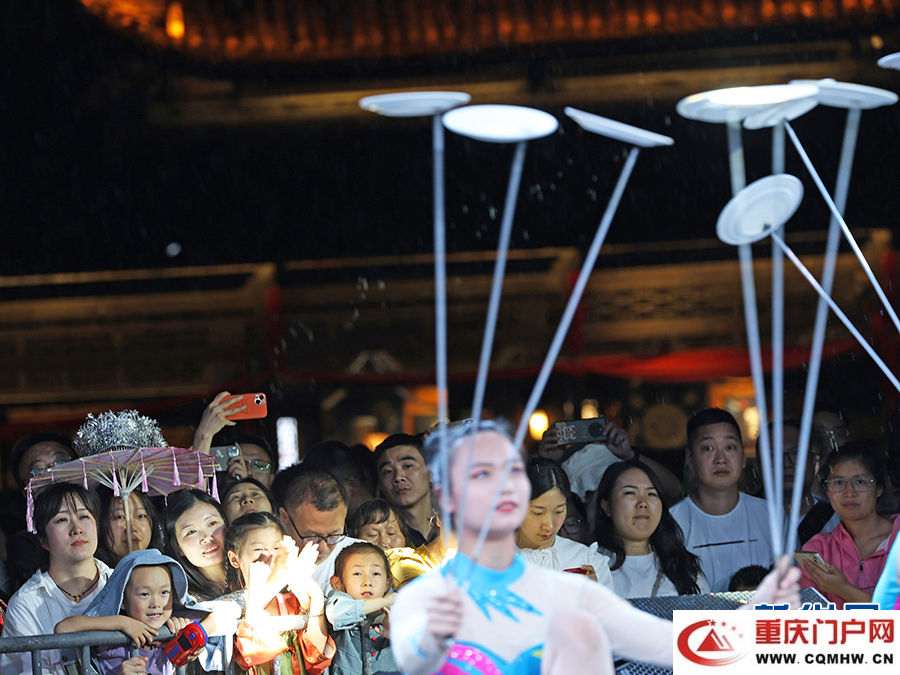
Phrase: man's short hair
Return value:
(318, 488)
(26, 443)
(710, 416)
(395, 440)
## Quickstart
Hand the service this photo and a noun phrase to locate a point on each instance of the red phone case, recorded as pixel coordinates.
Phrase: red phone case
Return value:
(257, 406)
(576, 570)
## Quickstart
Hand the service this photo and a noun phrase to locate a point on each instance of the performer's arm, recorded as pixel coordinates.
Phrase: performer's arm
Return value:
(425, 621)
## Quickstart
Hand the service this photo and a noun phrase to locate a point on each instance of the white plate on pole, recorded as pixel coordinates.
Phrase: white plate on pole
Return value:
(890, 61)
(414, 103)
(761, 207)
(848, 95)
(617, 130)
(736, 103)
(500, 123)
(772, 115)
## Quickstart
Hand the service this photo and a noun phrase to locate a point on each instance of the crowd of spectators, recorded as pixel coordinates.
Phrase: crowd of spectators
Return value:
(313, 555)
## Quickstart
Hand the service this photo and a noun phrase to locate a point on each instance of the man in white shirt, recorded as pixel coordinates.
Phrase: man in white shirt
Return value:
(726, 528)
(315, 510)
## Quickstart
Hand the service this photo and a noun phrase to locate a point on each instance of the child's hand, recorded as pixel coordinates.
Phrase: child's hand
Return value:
(176, 623)
(303, 564)
(140, 633)
(301, 568)
(134, 666)
(384, 629)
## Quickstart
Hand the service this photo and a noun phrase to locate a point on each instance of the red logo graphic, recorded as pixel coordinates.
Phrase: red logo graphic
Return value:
(715, 647)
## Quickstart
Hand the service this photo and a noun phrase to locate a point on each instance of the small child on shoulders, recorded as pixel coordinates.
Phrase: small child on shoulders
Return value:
(358, 611)
(138, 600)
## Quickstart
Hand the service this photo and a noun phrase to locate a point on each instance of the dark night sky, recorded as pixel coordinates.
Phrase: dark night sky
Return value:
(89, 184)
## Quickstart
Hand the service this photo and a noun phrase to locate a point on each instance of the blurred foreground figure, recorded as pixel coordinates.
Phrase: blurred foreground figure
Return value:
(514, 616)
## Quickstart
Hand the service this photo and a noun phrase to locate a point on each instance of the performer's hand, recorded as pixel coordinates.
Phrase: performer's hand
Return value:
(445, 613)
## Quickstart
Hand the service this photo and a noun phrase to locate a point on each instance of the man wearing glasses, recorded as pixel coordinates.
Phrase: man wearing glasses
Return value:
(255, 461)
(315, 510)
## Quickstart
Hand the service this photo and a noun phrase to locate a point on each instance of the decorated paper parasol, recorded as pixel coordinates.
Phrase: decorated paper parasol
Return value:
(154, 471)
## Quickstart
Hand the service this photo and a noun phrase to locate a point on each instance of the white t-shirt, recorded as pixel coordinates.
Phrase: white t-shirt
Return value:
(729, 542)
(35, 609)
(325, 569)
(566, 554)
(637, 577)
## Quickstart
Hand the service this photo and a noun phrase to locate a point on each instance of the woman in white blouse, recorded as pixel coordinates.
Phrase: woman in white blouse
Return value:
(642, 539)
(537, 538)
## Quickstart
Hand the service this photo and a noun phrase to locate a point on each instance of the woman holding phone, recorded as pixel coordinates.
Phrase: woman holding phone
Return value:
(537, 538)
(856, 550)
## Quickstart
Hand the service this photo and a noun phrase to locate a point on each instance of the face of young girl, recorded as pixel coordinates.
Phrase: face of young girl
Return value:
(200, 532)
(148, 595)
(257, 544)
(493, 454)
(384, 535)
(118, 533)
(71, 535)
(546, 515)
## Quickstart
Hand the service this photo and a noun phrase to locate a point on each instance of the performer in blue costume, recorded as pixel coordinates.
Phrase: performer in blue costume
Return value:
(505, 616)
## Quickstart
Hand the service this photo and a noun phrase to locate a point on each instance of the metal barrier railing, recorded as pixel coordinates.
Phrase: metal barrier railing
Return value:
(82, 640)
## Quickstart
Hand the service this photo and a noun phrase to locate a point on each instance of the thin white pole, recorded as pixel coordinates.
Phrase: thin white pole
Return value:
(440, 316)
(509, 212)
(748, 287)
(837, 310)
(778, 339)
(849, 235)
(842, 187)
(586, 268)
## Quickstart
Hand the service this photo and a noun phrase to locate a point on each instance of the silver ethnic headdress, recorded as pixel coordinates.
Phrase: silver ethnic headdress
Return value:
(117, 431)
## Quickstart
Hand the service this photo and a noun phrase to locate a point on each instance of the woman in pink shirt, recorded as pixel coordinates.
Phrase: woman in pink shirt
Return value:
(856, 550)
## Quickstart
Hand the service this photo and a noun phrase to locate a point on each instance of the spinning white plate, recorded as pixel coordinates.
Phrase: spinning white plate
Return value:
(758, 209)
(848, 95)
(736, 103)
(772, 115)
(414, 103)
(500, 123)
(617, 130)
(890, 61)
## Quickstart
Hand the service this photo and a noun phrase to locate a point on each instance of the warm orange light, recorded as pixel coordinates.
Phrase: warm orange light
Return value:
(175, 21)
(538, 424)
(373, 439)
